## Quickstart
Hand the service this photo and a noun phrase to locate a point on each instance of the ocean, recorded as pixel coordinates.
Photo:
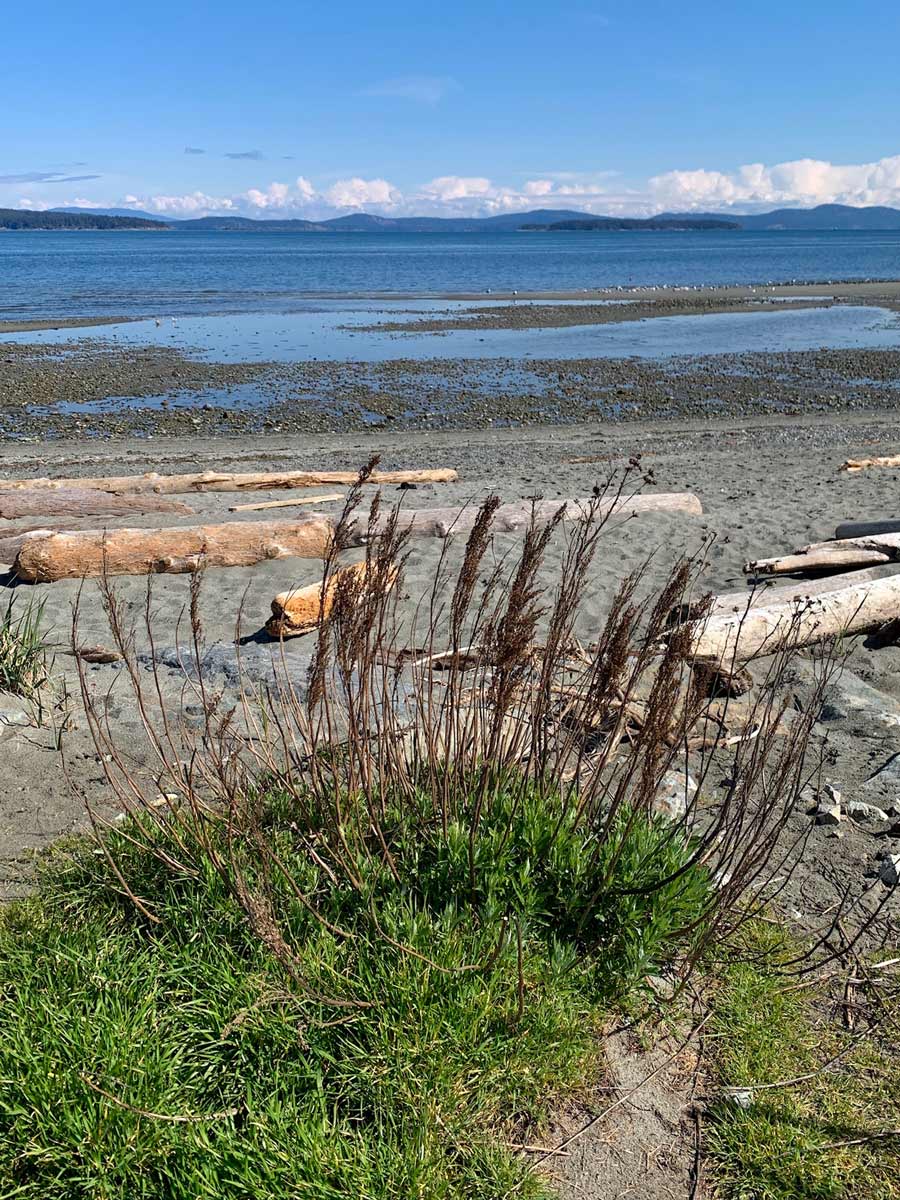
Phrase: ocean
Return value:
(72, 274)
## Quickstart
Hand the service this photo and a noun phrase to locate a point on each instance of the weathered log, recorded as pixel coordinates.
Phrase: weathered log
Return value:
(825, 556)
(733, 603)
(81, 502)
(264, 504)
(44, 557)
(223, 481)
(299, 611)
(855, 529)
(761, 631)
(852, 465)
(512, 518)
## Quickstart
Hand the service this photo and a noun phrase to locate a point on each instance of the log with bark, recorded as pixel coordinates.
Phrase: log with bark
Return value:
(300, 610)
(224, 481)
(832, 556)
(512, 518)
(859, 608)
(81, 502)
(45, 557)
(852, 465)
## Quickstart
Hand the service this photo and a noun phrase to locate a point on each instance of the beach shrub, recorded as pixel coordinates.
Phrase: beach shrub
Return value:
(354, 936)
(412, 1029)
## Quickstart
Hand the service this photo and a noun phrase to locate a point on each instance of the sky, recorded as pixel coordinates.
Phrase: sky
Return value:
(471, 108)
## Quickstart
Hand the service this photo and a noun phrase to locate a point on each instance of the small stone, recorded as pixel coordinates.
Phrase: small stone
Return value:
(674, 795)
(889, 872)
(828, 814)
(14, 716)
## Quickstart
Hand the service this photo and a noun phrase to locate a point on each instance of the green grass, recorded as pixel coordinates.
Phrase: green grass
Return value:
(284, 1095)
(783, 1146)
(23, 657)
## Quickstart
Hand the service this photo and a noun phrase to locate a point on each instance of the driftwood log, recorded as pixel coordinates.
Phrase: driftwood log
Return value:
(512, 518)
(855, 529)
(852, 465)
(222, 481)
(860, 608)
(300, 610)
(295, 503)
(81, 502)
(734, 603)
(45, 557)
(831, 556)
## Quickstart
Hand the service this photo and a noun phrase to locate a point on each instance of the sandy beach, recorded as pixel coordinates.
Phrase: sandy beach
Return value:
(767, 486)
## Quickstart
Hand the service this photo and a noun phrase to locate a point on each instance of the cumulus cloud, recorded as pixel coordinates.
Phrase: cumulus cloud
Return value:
(358, 193)
(753, 187)
(423, 89)
(801, 183)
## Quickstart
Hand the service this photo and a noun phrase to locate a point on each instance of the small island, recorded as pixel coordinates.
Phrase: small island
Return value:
(606, 224)
(23, 218)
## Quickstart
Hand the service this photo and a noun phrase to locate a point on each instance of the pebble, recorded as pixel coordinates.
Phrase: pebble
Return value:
(675, 792)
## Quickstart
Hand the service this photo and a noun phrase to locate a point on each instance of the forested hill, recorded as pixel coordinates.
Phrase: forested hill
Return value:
(23, 218)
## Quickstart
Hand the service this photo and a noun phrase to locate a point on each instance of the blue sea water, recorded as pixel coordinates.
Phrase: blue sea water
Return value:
(57, 274)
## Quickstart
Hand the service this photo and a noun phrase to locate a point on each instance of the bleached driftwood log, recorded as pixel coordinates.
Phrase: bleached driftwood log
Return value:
(734, 603)
(852, 465)
(299, 611)
(45, 557)
(511, 518)
(224, 481)
(760, 631)
(295, 503)
(831, 556)
(81, 502)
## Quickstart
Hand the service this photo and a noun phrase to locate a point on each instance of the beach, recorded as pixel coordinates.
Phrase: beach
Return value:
(767, 485)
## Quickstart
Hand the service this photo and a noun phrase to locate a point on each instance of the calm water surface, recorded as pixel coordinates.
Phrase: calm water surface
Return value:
(325, 331)
(179, 273)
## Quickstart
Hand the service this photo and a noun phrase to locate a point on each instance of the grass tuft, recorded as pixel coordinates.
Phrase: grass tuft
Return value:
(23, 656)
(785, 1144)
(180, 1059)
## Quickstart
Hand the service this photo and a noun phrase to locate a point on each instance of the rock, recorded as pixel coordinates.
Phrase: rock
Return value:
(849, 696)
(674, 795)
(886, 778)
(828, 809)
(860, 811)
(889, 872)
(14, 717)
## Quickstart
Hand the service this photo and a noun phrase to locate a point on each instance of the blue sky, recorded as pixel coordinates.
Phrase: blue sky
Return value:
(300, 109)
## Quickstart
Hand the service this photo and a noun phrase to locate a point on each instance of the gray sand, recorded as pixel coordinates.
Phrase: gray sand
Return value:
(767, 486)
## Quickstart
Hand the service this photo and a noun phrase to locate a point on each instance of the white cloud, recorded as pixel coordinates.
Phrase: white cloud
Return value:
(802, 183)
(752, 187)
(424, 89)
(357, 193)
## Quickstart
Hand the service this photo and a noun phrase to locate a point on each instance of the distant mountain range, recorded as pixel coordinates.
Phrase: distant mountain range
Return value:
(825, 216)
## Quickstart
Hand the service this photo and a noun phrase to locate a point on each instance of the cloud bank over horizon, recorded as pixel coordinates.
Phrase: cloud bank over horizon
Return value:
(754, 187)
